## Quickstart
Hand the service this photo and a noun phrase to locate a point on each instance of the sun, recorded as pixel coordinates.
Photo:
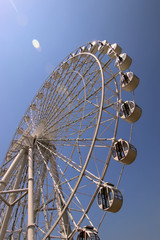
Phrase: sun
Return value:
(35, 43)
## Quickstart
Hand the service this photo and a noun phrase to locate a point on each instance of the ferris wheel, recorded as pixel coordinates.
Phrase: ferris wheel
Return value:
(61, 173)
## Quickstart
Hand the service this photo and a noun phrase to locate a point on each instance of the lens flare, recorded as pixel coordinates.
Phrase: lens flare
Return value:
(35, 43)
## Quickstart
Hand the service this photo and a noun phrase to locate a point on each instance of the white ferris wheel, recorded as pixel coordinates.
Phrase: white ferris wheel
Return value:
(61, 173)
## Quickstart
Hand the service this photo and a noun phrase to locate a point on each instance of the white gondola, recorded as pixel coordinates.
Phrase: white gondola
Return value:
(124, 152)
(88, 233)
(73, 58)
(103, 47)
(93, 48)
(40, 95)
(56, 75)
(109, 198)
(20, 131)
(65, 66)
(129, 81)
(47, 85)
(123, 62)
(33, 106)
(83, 49)
(130, 111)
(113, 50)
(26, 118)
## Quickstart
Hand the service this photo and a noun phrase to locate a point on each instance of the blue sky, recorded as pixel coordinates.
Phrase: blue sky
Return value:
(60, 27)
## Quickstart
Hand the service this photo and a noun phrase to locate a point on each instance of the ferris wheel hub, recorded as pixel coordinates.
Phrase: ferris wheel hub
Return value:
(39, 130)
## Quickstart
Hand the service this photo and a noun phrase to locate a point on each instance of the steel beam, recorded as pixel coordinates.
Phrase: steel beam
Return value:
(64, 223)
(13, 193)
(8, 174)
(30, 196)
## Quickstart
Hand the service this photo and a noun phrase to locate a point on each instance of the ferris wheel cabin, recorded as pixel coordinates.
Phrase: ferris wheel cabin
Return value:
(113, 50)
(83, 49)
(88, 233)
(103, 47)
(33, 107)
(73, 58)
(123, 62)
(65, 66)
(129, 81)
(56, 75)
(124, 152)
(27, 118)
(40, 95)
(47, 85)
(109, 198)
(93, 48)
(130, 111)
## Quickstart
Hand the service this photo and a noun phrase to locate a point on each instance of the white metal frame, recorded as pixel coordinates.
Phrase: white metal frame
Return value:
(76, 116)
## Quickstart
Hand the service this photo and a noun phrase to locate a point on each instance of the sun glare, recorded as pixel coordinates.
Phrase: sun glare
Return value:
(35, 43)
